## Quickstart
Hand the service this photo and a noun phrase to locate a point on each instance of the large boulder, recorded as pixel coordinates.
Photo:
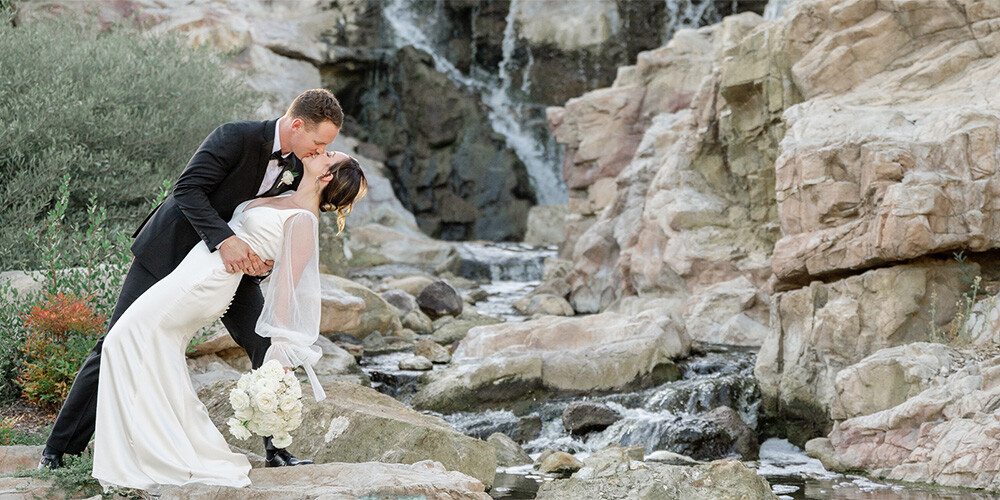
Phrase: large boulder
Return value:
(891, 376)
(359, 424)
(375, 244)
(819, 330)
(610, 473)
(377, 315)
(510, 361)
(948, 434)
(16, 458)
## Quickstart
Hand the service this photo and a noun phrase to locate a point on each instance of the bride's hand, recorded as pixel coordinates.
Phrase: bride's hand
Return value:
(239, 257)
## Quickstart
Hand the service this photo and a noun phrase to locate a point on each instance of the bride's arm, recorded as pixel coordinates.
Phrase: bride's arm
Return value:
(291, 312)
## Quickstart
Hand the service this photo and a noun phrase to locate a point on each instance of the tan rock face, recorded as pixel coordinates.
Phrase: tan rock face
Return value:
(896, 155)
(819, 330)
(947, 434)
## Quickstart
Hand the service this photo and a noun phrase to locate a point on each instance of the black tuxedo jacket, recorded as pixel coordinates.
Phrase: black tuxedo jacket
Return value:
(227, 170)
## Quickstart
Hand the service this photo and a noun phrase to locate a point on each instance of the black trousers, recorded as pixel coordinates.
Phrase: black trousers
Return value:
(75, 424)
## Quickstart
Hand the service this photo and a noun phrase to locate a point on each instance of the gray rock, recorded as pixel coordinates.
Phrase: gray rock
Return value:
(359, 424)
(440, 299)
(581, 417)
(559, 463)
(509, 453)
(528, 427)
(15, 458)
(401, 300)
(417, 321)
(431, 350)
(611, 474)
(455, 330)
(744, 438)
(417, 363)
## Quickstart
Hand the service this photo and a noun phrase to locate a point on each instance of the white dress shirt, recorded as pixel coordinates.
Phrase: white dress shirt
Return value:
(273, 170)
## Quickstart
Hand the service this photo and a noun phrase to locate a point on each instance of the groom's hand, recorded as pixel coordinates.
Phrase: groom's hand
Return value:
(239, 257)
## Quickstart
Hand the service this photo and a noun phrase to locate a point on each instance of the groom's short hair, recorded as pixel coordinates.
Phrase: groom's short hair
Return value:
(316, 106)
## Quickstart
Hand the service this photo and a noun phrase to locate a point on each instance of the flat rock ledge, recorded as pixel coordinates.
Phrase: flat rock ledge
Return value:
(332, 481)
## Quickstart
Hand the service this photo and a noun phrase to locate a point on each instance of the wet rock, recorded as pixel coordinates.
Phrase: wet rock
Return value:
(559, 463)
(505, 362)
(744, 438)
(417, 321)
(337, 364)
(440, 299)
(402, 301)
(529, 427)
(349, 343)
(718, 480)
(509, 453)
(431, 350)
(418, 363)
(359, 424)
(581, 417)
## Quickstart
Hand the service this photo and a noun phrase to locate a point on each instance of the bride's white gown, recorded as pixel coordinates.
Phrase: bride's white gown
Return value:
(151, 427)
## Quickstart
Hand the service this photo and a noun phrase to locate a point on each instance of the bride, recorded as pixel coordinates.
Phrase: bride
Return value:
(151, 427)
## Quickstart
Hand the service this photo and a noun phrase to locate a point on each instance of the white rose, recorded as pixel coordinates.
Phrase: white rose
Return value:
(237, 430)
(289, 379)
(295, 390)
(254, 427)
(266, 385)
(286, 178)
(265, 401)
(245, 414)
(287, 402)
(239, 400)
(272, 369)
(282, 440)
(244, 383)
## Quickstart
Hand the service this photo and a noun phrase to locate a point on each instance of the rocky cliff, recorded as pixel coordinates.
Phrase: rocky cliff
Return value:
(802, 184)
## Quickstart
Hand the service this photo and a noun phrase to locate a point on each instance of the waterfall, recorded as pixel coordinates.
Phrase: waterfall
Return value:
(506, 116)
(775, 8)
(682, 14)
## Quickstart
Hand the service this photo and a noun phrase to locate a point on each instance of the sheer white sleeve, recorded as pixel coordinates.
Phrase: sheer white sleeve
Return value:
(292, 304)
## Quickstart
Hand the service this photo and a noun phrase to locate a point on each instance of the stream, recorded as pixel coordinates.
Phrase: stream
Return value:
(665, 417)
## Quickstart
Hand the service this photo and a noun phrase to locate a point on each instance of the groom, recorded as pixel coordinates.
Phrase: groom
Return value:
(238, 161)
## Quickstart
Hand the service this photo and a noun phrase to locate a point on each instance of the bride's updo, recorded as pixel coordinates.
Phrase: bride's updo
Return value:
(347, 186)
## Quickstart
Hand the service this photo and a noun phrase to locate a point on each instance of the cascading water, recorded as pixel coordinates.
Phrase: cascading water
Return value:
(775, 8)
(688, 14)
(506, 116)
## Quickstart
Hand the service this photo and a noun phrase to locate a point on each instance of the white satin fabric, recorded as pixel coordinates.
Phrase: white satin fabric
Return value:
(151, 427)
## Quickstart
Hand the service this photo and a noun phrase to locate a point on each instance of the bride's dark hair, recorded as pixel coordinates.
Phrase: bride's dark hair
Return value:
(347, 186)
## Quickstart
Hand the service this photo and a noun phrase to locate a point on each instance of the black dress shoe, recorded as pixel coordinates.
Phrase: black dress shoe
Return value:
(281, 458)
(50, 461)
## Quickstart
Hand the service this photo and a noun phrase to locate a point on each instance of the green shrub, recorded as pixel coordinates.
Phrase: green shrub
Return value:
(61, 332)
(119, 109)
(56, 244)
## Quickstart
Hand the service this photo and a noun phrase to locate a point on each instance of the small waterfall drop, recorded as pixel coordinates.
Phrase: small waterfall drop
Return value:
(506, 115)
(775, 8)
(680, 14)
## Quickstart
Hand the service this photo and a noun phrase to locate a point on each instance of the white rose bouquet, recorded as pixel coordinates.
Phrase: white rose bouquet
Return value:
(267, 402)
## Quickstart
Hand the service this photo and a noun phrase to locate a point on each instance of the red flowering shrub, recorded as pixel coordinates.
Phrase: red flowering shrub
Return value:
(60, 334)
